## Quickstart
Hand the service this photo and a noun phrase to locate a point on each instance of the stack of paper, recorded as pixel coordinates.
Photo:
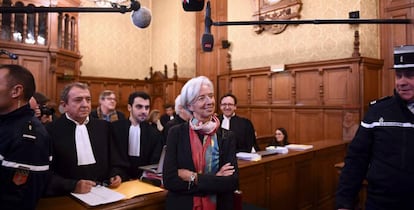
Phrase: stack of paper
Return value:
(248, 156)
(99, 195)
(280, 150)
(299, 147)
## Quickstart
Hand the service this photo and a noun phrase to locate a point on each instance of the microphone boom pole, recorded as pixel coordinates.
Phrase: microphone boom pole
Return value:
(29, 9)
(317, 21)
(135, 5)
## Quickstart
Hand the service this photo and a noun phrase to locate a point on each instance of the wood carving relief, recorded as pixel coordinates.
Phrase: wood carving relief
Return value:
(268, 10)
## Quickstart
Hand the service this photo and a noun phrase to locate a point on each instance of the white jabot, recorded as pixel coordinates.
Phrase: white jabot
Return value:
(226, 122)
(171, 117)
(134, 140)
(411, 107)
(83, 145)
(253, 150)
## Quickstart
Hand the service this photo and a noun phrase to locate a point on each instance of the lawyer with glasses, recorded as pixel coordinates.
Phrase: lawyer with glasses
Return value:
(242, 127)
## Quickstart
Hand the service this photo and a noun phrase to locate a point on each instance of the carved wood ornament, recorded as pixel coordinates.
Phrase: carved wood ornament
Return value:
(275, 10)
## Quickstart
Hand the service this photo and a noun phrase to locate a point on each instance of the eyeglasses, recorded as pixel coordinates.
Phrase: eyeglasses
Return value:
(110, 99)
(228, 105)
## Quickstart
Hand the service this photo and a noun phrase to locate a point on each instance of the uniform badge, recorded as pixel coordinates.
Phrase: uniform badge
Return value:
(29, 132)
(20, 176)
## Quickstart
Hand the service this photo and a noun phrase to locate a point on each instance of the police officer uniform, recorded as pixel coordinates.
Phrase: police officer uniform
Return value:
(24, 157)
(382, 152)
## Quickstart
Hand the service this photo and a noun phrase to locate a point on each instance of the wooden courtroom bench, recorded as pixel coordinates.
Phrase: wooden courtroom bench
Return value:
(153, 201)
(263, 141)
(296, 180)
(362, 196)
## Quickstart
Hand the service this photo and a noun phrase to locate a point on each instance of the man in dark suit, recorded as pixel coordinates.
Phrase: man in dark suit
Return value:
(182, 117)
(138, 141)
(241, 127)
(83, 148)
(168, 115)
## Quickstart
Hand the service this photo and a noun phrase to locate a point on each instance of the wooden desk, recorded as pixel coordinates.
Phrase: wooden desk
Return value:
(297, 180)
(154, 201)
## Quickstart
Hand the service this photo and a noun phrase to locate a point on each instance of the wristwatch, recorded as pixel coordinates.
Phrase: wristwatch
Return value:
(192, 177)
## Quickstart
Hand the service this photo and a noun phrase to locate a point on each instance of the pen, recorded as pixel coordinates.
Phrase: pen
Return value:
(104, 183)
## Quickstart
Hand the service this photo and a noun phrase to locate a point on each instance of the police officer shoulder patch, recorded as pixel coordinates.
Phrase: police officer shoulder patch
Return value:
(379, 100)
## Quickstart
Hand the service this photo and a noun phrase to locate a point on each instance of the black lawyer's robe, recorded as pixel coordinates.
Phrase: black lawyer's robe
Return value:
(244, 131)
(150, 147)
(64, 167)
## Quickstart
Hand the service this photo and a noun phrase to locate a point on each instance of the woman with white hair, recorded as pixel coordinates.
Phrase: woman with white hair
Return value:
(200, 168)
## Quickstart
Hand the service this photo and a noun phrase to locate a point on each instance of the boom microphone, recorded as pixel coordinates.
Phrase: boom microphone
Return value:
(141, 17)
(207, 41)
(11, 55)
(193, 5)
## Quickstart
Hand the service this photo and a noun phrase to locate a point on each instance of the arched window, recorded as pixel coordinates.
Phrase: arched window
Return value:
(6, 22)
(18, 24)
(30, 32)
(28, 28)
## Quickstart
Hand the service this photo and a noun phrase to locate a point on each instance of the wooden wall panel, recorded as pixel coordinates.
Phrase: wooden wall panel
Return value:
(243, 112)
(124, 90)
(162, 90)
(6, 60)
(305, 196)
(239, 87)
(371, 87)
(307, 88)
(157, 103)
(283, 118)
(281, 178)
(95, 87)
(262, 120)
(222, 82)
(327, 180)
(335, 86)
(308, 124)
(281, 88)
(260, 86)
(332, 120)
(252, 184)
(308, 99)
(170, 93)
(37, 66)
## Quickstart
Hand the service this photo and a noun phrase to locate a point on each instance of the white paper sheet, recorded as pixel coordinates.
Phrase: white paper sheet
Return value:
(99, 195)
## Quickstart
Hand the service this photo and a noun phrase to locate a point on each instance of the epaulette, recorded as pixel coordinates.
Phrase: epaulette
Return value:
(379, 100)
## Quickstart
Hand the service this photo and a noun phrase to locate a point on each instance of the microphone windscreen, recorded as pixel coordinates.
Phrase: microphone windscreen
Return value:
(193, 5)
(141, 18)
(207, 42)
(13, 56)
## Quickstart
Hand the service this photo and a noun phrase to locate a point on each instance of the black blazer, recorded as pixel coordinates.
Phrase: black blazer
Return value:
(244, 131)
(178, 156)
(165, 118)
(64, 167)
(150, 148)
